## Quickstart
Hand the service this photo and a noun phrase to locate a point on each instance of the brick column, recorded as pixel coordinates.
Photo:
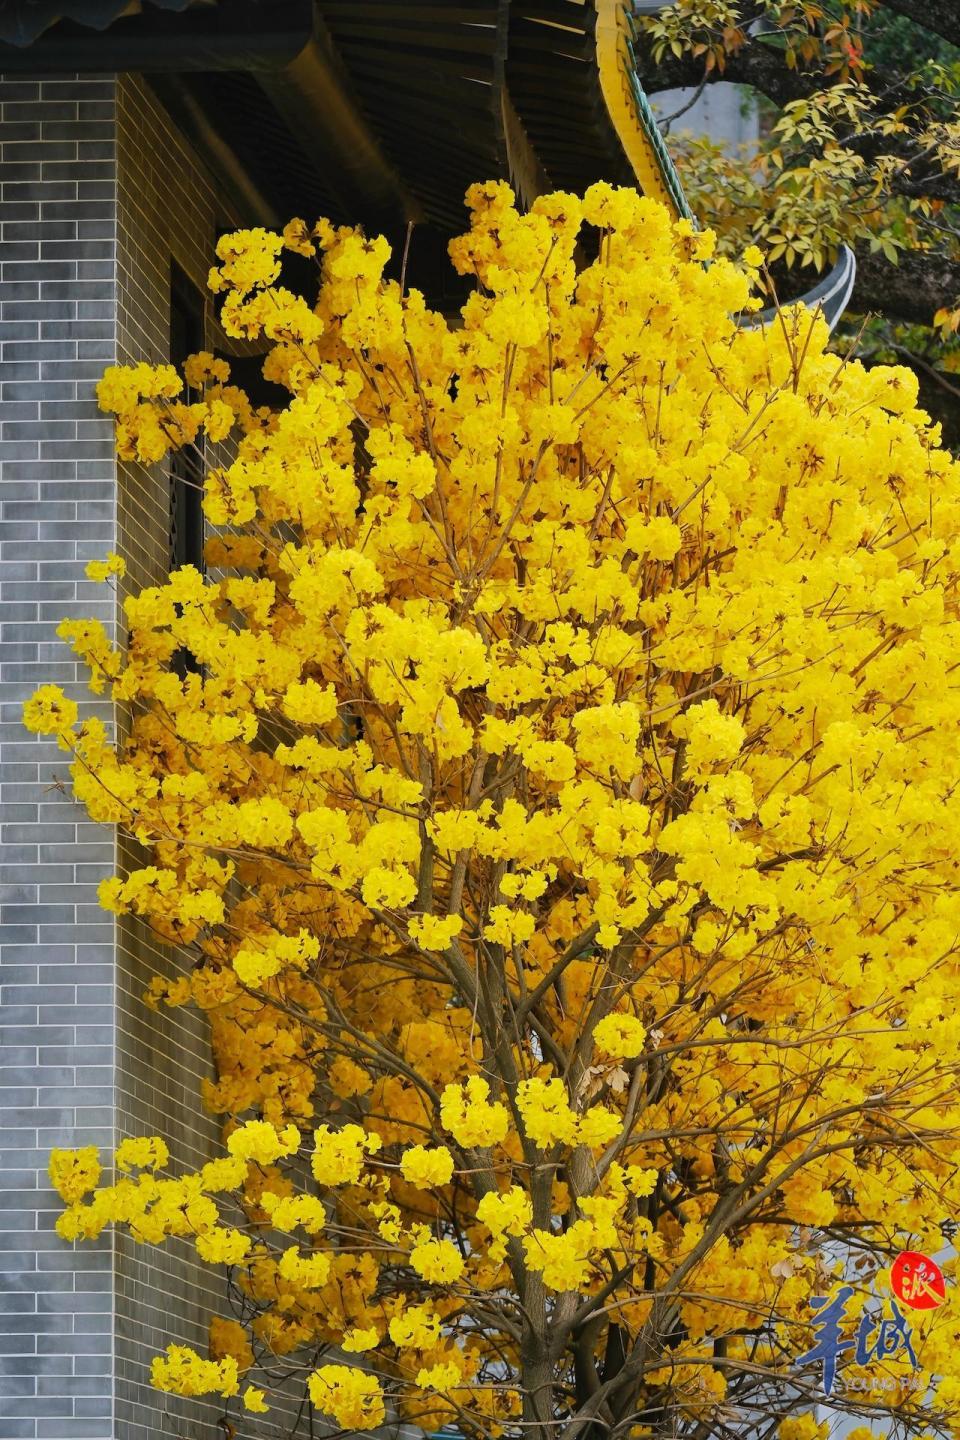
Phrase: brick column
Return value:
(57, 983)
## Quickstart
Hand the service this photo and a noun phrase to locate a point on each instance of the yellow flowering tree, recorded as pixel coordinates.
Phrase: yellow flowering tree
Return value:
(553, 779)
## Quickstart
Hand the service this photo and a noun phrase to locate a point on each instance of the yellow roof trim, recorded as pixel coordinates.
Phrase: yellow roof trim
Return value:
(613, 61)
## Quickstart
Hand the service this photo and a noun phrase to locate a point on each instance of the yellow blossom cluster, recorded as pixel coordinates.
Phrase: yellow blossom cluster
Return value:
(183, 1372)
(559, 814)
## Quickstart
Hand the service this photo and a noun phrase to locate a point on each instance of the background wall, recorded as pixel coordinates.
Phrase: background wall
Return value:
(57, 511)
(99, 196)
(727, 113)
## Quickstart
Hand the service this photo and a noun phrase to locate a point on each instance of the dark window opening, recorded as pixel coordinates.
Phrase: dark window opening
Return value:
(186, 470)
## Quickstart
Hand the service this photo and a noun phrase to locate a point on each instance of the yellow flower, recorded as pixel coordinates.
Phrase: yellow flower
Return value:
(385, 888)
(339, 1155)
(183, 1372)
(74, 1173)
(434, 932)
(417, 1327)
(562, 1260)
(350, 1397)
(103, 569)
(308, 1272)
(310, 703)
(607, 738)
(425, 1167)
(147, 1152)
(438, 1377)
(712, 738)
(598, 1126)
(506, 1213)
(347, 1078)
(228, 1337)
(547, 1116)
(219, 1246)
(506, 926)
(205, 366)
(438, 1261)
(254, 967)
(620, 1035)
(49, 712)
(808, 1427)
(467, 1114)
(249, 261)
(254, 1401)
(261, 1141)
(356, 1341)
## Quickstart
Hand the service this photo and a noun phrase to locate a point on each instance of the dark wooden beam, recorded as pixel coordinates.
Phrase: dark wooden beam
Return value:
(242, 35)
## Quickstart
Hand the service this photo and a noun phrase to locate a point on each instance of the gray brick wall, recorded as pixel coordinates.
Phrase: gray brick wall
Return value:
(98, 194)
(57, 510)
